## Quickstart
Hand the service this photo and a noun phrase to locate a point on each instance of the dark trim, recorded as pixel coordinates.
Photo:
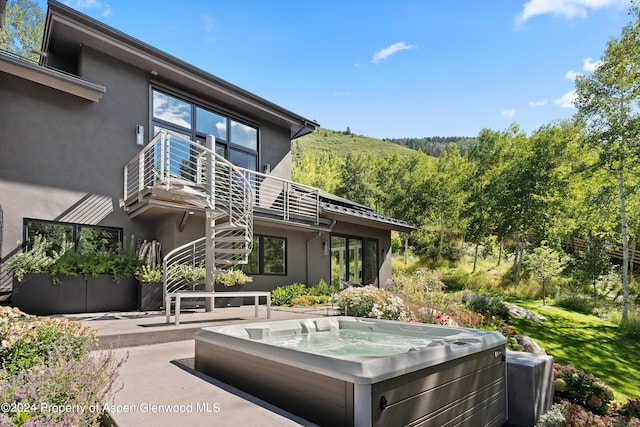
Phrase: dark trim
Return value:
(261, 271)
(76, 229)
(349, 237)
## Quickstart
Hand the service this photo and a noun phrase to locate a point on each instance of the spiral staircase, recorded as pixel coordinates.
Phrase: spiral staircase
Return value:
(174, 171)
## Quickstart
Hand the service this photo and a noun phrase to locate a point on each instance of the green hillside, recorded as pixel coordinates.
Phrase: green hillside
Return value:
(340, 144)
(337, 161)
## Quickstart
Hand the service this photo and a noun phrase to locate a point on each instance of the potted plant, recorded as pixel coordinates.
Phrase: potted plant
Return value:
(233, 278)
(190, 275)
(225, 282)
(150, 296)
(87, 279)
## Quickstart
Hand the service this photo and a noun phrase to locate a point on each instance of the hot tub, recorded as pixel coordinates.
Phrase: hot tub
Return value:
(347, 371)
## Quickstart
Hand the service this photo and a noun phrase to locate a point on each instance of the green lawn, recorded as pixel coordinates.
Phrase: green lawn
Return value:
(588, 343)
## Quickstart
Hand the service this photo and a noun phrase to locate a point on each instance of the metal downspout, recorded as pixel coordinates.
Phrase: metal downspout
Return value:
(308, 253)
(311, 240)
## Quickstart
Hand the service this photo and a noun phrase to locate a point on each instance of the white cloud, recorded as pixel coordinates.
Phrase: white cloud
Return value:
(388, 51)
(90, 4)
(571, 75)
(340, 94)
(538, 103)
(208, 23)
(567, 8)
(508, 113)
(589, 65)
(566, 100)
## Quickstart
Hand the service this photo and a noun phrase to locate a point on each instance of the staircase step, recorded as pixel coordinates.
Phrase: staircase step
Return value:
(238, 251)
(228, 226)
(233, 239)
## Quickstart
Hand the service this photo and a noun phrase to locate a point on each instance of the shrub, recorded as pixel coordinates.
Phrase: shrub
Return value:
(310, 300)
(36, 259)
(488, 306)
(322, 288)
(47, 363)
(631, 328)
(582, 388)
(190, 275)
(146, 274)
(372, 302)
(283, 295)
(631, 407)
(232, 278)
(26, 340)
(556, 416)
(414, 286)
(86, 383)
(580, 303)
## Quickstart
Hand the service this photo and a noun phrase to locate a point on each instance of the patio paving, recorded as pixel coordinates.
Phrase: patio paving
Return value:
(160, 386)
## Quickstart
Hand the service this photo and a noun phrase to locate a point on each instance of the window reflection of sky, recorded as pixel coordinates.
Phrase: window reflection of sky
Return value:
(211, 123)
(171, 110)
(244, 135)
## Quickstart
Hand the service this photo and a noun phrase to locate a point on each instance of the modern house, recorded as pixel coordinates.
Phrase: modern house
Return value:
(108, 134)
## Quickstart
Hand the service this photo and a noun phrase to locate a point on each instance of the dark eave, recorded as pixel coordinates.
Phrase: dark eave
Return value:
(50, 77)
(70, 29)
(355, 213)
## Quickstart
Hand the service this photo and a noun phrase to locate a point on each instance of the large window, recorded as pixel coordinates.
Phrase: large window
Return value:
(354, 259)
(236, 141)
(269, 256)
(61, 235)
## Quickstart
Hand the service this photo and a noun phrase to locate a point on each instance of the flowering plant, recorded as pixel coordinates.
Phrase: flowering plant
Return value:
(582, 388)
(26, 340)
(46, 363)
(372, 302)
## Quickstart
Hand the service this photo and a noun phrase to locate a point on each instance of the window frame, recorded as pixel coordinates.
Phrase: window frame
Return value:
(261, 260)
(76, 230)
(364, 266)
(196, 135)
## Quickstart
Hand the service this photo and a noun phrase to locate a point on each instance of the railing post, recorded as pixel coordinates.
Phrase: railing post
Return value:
(210, 223)
(286, 190)
(167, 154)
(210, 185)
(317, 207)
(141, 171)
(126, 182)
(163, 140)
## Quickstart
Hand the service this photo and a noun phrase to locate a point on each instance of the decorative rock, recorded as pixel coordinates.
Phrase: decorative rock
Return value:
(517, 311)
(529, 345)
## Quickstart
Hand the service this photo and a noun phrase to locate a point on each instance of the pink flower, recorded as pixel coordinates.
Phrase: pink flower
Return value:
(594, 402)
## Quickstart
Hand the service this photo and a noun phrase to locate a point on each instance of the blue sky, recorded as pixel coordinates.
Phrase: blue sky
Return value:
(386, 69)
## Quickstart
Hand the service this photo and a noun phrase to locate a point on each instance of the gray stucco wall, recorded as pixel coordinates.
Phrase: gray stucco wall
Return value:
(62, 156)
(275, 150)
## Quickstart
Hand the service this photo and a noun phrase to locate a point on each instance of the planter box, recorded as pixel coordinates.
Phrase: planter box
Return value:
(105, 294)
(228, 301)
(37, 294)
(150, 297)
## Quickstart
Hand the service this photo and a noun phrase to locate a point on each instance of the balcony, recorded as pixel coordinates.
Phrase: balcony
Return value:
(173, 172)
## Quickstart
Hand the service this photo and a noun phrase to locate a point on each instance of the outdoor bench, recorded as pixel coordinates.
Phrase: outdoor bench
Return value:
(212, 295)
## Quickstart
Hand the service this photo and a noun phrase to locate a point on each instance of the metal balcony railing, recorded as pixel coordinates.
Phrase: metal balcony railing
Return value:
(181, 166)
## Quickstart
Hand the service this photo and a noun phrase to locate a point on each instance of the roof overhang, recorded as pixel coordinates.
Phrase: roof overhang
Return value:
(50, 77)
(69, 29)
(345, 210)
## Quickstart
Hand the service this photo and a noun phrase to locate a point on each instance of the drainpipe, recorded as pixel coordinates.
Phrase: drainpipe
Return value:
(311, 240)
(308, 252)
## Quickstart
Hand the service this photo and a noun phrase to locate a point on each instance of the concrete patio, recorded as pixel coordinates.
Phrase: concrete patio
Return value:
(159, 386)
